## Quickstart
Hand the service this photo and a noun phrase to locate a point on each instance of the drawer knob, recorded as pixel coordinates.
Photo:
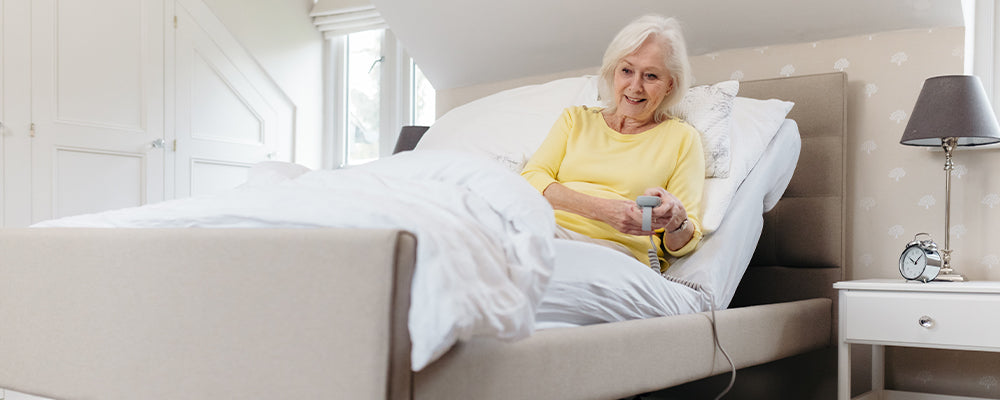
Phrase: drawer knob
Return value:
(926, 322)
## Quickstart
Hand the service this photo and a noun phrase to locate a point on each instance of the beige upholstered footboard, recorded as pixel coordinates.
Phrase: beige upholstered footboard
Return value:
(205, 313)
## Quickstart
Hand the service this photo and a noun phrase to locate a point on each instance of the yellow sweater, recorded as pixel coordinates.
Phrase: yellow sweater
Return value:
(583, 153)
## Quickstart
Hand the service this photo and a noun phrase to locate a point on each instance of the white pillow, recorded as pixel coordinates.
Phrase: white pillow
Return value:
(709, 109)
(755, 122)
(509, 126)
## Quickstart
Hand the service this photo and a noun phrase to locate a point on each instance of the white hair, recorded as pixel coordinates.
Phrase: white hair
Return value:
(628, 40)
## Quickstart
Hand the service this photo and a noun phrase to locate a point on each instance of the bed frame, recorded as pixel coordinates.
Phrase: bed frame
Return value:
(321, 313)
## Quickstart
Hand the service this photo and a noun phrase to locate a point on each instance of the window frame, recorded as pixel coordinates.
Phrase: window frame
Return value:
(412, 94)
(982, 47)
(396, 98)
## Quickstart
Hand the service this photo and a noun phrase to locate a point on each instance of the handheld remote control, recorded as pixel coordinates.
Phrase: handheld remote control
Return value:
(647, 203)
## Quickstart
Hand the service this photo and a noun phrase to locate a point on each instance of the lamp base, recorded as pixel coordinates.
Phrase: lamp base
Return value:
(951, 277)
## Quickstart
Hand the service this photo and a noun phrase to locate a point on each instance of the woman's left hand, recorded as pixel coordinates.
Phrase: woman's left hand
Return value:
(670, 214)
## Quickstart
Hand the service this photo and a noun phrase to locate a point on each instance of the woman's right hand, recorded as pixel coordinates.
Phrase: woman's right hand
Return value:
(623, 215)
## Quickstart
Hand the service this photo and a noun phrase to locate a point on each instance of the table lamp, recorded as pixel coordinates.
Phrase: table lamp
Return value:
(951, 111)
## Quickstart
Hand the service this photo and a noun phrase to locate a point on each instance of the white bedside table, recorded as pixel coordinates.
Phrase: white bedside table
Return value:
(893, 312)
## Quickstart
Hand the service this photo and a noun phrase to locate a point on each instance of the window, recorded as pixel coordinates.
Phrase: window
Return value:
(363, 108)
(376, 88)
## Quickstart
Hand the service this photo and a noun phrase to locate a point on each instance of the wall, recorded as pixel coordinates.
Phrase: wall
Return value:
(281, 36)
(450, 98)
(896, 191)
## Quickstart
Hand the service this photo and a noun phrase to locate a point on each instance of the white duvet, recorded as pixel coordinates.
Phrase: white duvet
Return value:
(484, 236)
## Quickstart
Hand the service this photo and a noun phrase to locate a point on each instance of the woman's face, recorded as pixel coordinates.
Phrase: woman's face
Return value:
(642, 81)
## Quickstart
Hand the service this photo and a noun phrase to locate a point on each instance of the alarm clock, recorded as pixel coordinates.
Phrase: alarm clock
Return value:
(921, 260)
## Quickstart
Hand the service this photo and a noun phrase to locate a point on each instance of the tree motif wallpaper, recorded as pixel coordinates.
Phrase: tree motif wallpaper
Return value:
(897, 191)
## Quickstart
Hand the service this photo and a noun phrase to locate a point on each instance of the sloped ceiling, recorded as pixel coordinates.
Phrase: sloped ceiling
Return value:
(460, 43)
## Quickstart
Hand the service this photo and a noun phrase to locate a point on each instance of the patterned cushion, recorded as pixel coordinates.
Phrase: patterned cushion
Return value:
(709, 109)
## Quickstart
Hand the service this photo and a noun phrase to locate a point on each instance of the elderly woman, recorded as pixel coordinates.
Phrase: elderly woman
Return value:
(595, 162)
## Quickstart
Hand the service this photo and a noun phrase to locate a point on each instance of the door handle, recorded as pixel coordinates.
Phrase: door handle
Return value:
(158, 143)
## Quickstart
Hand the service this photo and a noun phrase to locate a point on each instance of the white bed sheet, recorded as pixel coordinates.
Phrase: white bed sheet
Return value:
(593, 284)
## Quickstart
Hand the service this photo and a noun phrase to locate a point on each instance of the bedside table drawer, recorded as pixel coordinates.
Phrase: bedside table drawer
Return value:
(955, 320)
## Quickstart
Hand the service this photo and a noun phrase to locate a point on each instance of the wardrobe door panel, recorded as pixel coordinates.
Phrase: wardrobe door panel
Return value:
(98, 64)
(97, 105)
(228, 112)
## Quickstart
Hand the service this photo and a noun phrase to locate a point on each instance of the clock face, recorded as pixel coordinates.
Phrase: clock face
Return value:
(912, 262)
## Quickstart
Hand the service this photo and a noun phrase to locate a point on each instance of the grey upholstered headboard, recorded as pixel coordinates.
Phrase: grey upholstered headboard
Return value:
(802, 248)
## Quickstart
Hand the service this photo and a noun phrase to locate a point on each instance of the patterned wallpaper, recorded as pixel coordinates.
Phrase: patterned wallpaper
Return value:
(895, 191)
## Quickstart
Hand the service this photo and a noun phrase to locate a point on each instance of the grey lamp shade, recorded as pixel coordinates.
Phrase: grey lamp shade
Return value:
(952, 106)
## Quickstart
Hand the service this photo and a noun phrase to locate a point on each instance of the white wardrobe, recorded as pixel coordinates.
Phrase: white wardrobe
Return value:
(108, 104)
